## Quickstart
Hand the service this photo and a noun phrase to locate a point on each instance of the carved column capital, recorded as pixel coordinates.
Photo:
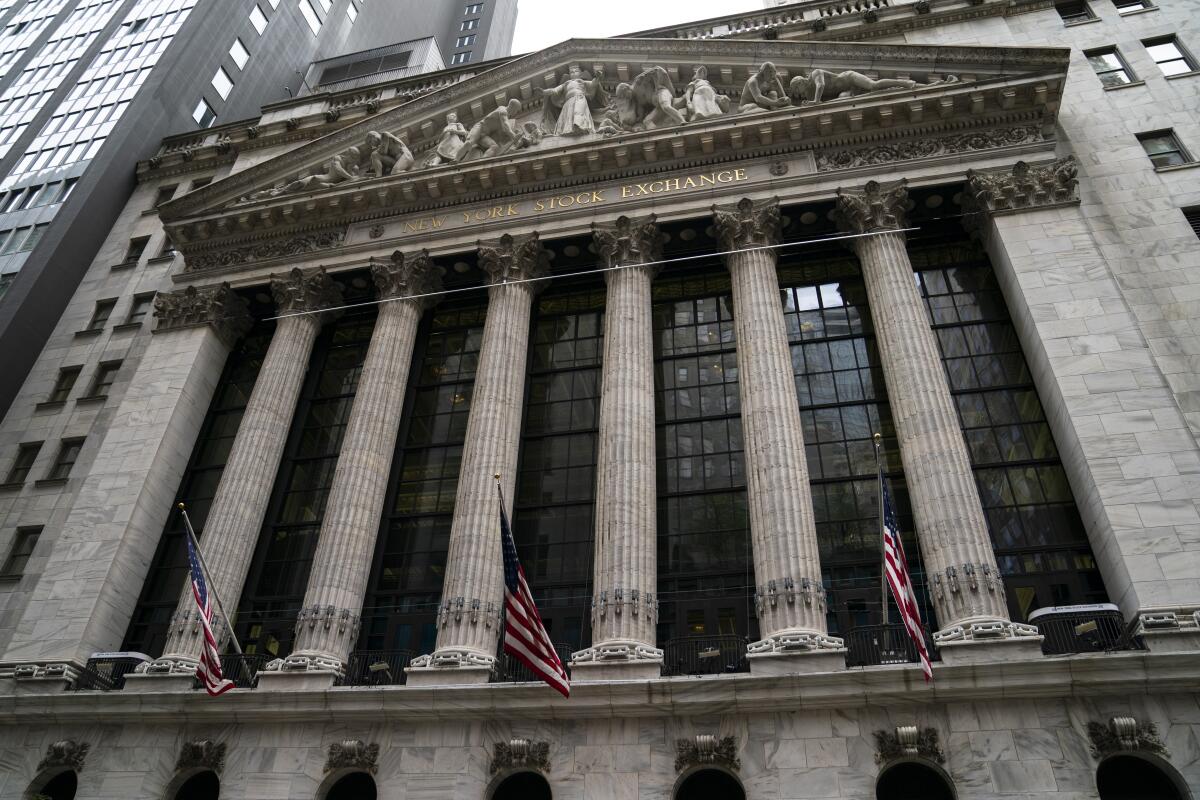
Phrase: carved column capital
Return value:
(64, 753)
(627, 241)
(514, 258)
(406, 276)
(875, 207)
(192, 307)
(749, 223)
(304, 290)
(1023, 187)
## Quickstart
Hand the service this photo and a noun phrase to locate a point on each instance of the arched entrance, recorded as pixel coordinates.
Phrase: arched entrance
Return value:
(710, 784)
(1130, 777)
(522, 786)
(355, 786)
(201, 786)
(912, 780)
(59, 787)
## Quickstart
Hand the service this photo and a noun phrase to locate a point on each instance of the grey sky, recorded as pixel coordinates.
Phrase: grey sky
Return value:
(541, 23)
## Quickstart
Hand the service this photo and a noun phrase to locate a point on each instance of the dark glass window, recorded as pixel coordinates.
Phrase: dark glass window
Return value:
(1164, 148)
(64, 384)
(1074, 11)
(164, 194)
(410, 556)
(26, 455)
(278, 576)
(1129, 6)
(142, 303)
(1192, 217)
(1038, 536)
(552, 521)
(1109, 66)
(137, 246)
(104, 309)
(705, 569)
(148, 629)
(22, 548)
(106, 373)
(68, 452)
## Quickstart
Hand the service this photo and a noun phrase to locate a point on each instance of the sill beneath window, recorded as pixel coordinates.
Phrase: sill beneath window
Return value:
(122, 266)
(1080, 22)
(84, 334)
(8, 487)
(1176, 167)
(47, 482)
(94, 399)
(49, 404)
(127, 326)
(1124, 86)
(10, 578)
(150, 212)
(1191, 74)
(1136, 11)
(162, 259)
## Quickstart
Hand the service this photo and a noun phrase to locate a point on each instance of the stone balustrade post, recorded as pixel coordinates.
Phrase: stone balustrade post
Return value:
(789, 597)
(328, 625)
(231, 531)
(471, 611)
(964, 579)
(624, 607)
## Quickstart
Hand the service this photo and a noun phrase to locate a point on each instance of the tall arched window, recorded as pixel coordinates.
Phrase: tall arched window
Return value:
(522, 786)
(1127, 777)
(201, 786)
(60, 787)
(912, 781)
(355, 786)
(710, 784)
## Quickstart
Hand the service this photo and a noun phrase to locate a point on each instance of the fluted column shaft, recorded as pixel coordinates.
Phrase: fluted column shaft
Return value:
(790, 597)
(624, 608)
(329, 621)
(952, 530)
(236, 517)
(473, 590)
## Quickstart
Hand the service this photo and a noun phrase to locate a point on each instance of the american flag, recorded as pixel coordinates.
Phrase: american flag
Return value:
(525, 637)
(895, 567)
(209, 669)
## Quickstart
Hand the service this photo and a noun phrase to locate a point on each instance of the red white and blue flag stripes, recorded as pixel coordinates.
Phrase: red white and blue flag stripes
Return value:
(209, 669)
(895, 567)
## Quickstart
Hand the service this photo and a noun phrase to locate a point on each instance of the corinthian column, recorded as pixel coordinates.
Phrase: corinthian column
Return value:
(231, 530)
(473, 591)
(624, 610)
(965, 582)
(789, 597)
(328, 624)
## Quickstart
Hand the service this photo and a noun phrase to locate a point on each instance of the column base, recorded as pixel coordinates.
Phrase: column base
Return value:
(314, 680)
(56, 676)
(159, 682)
(1170, 631)
(457, 667)
(617, 661)
(796, 662)
(988, 641)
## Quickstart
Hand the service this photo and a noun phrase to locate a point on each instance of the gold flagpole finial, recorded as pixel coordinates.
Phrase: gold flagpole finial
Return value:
(878, 437)
(181, 507)
(496, 476)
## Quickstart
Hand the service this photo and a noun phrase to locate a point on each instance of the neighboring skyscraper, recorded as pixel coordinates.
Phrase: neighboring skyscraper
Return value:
(87, 87)
(477, 31)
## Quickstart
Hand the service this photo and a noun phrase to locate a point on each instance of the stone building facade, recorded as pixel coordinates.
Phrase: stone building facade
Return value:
(669, 307)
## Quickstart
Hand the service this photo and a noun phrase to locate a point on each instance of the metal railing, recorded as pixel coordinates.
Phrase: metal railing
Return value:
(705, 655)
(510, 670)
(243, 670)
(873, 645)
(1086, 632)
(376, 668)
(105, 674)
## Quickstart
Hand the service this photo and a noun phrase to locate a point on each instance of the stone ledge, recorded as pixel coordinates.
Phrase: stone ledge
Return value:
(1124, 86)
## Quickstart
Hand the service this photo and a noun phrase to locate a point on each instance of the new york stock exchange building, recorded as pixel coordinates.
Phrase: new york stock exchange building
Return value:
(669, 288)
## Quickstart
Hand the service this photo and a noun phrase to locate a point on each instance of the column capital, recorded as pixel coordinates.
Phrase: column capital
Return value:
(749, 223)
(304, 290)
(1022, 186)
(406, 276)
(874, 207)
(628, 241)
(513, 258)
(196, 306)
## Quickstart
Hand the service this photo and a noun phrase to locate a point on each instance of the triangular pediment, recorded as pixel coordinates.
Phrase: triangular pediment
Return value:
(634, 106)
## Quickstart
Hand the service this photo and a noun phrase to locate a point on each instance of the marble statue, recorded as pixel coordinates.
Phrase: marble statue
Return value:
(494, 134)
(569, 106)
(645, 104)
(386, 154)
(821, 84)
(702, 100)
(763, 91)
(453, 137)
(343, 166)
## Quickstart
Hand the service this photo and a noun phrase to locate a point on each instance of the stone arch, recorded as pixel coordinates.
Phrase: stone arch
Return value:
(194, 784)
(1139, 776)
(914, 779)
(59, 783)
(348, 784)
(519, 784)
(708, 782)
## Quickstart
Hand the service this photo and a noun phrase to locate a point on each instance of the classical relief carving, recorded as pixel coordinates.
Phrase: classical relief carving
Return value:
(191, 307)
(875, 207)
(495, 134)
(1125, 734)
(452, 139)
(1024, 186)
(908, 741)
(277, 248)
(406, 275)
(701, 99)
(707, 750)
(628, 241)
(304, 290)
(568, 107)
(649, 102)
(821, 84)
(930, 147)
(521, 754)
(201, 754)
(352, 754)
(514, 258)
(64, 753)
(379, 154)
(763, 91)
(747, 224)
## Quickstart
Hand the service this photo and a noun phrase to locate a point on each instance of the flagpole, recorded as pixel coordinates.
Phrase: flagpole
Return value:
(878, 440)
(211, 586)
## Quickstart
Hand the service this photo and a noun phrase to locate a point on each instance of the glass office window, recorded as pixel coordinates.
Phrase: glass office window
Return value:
(222, 82)
(1170, 56)
(258, 19)
(239, 53)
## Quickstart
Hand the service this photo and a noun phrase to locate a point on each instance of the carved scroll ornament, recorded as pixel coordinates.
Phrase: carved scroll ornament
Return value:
(908, 741)
(201, 754)
(1125, 734)
(707, 750)
(748, 224)
(521, 753)
(1024, 186)
(353, 754)
(64, 753)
